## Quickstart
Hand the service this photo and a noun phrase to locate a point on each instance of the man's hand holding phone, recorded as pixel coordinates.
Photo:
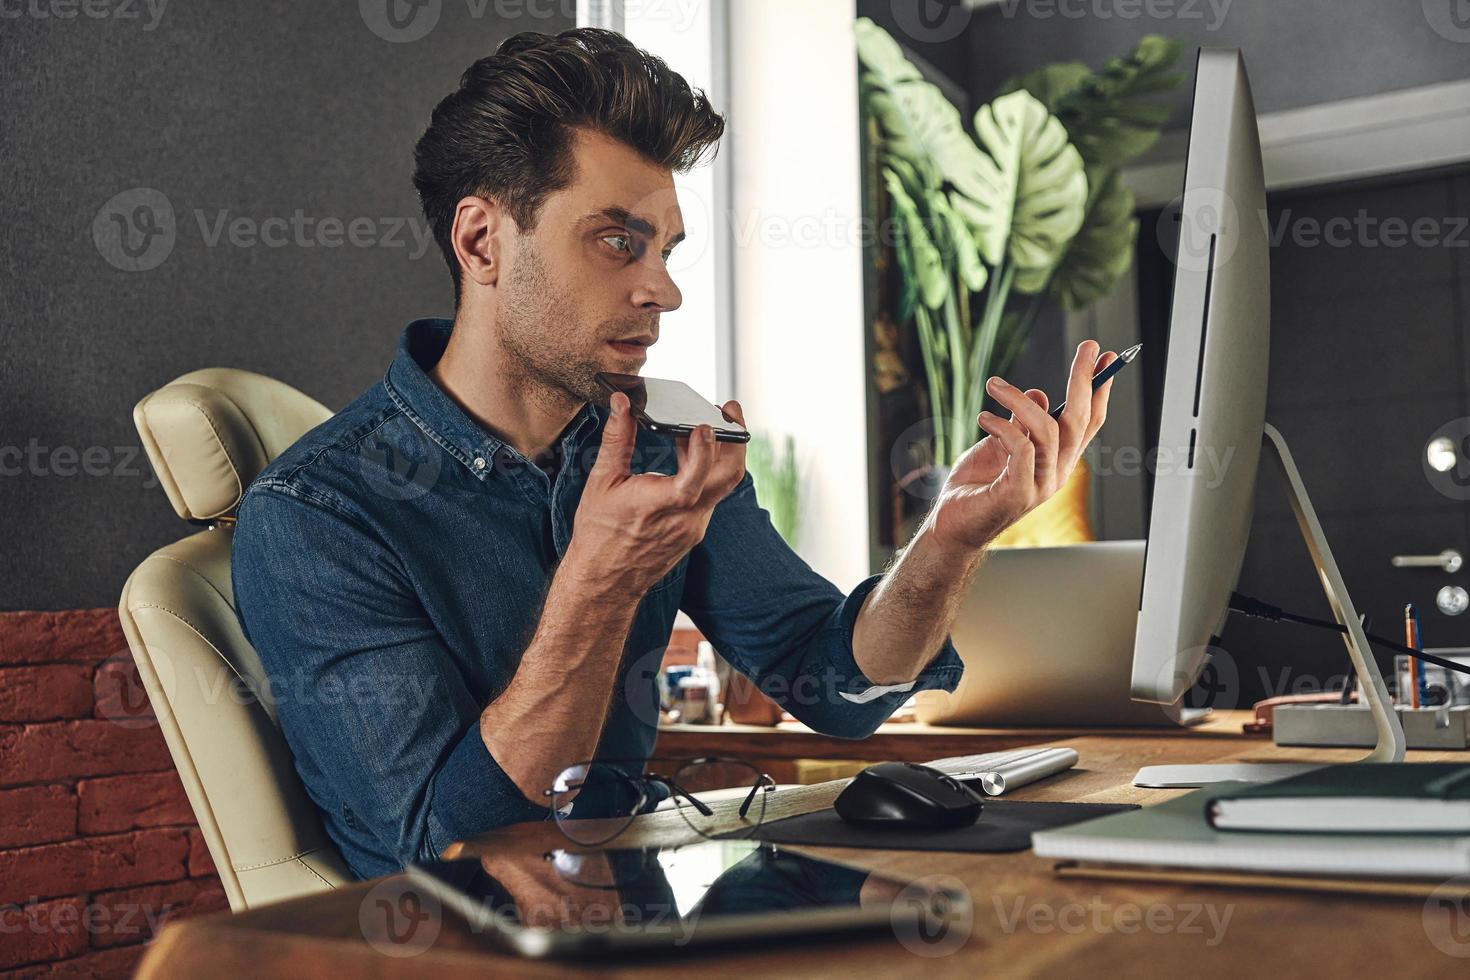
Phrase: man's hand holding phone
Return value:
(1023, 459)
(631, 528)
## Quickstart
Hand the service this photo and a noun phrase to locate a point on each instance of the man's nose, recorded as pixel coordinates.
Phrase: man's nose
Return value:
(656, 291)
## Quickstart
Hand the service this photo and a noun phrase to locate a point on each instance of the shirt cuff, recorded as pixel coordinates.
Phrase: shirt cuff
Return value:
(854, 705)
(942, 672)
(470, 795)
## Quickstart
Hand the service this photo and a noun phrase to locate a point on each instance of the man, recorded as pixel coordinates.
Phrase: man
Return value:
(462, 583)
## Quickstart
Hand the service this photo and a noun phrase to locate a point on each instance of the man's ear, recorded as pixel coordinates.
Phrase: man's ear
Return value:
(479, 226)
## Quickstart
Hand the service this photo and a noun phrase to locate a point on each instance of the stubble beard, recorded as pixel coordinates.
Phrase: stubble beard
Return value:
(533, 319)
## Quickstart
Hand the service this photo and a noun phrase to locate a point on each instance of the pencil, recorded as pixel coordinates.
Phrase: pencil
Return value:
(1410, 641)
(1421, 672)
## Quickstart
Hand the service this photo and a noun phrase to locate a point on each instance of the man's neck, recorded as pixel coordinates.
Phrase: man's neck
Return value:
(516, 409)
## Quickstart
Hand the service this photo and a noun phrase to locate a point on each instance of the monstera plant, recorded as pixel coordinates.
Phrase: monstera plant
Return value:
(988, 224)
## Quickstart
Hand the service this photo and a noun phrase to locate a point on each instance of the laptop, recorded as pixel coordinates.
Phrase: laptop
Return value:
(1046, 635)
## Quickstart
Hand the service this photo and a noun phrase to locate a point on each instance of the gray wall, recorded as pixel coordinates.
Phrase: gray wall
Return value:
(254, 110)
(1298, 52)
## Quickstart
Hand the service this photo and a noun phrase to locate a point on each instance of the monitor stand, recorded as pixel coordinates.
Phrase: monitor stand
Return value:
(1391, 744)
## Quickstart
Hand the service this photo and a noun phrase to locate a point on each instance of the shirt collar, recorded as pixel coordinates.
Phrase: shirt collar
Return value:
(409, 386)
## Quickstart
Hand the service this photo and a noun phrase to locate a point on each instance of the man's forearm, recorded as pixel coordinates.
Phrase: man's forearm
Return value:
(551, 715)
(906, 617)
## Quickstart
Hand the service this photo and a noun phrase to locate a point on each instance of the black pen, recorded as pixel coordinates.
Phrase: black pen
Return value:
(1101, 377)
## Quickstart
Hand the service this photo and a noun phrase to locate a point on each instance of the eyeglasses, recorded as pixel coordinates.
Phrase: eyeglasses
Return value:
(715, 796)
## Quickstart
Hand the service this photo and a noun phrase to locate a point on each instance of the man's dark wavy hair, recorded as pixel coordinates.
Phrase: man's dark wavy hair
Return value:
(505, 133)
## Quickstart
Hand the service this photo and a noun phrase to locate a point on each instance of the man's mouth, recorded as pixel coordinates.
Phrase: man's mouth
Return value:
(633, 346)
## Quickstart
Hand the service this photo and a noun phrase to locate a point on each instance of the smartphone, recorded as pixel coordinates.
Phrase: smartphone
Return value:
(671, 407)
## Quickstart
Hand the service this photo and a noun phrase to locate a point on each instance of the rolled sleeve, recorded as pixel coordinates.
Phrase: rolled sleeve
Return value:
(470, 794)
(789, 629)
(377, 712)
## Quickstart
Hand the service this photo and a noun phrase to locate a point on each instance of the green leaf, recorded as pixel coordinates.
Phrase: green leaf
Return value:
(1024, 194)
(777, 481)
(1010, 344)
(1051, 83)
(881, 55)
(927, 265)
(913, 114)
(916, 120)
(1110, 115)
(1101, 252)
(956, 242)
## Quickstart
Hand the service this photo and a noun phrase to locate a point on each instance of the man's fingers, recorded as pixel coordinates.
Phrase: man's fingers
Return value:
(619, 437)
(1017, 443)
(1039, 397)
(1041, 427)
(1073, 423)
(733, 452)
(1100, 399)
(1020, 459)
(688, 484)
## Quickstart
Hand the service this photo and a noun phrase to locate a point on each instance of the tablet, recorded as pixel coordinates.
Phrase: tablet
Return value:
(571, 905)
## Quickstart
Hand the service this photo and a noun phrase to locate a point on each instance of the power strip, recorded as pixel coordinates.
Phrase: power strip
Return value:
(1351, 726)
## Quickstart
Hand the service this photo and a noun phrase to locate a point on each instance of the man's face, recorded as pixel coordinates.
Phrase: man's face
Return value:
(582, 293)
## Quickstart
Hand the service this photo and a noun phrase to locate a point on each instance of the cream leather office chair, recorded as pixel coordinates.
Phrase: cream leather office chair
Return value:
(208, 434)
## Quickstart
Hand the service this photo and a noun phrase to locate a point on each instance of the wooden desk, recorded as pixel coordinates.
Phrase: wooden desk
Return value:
(777, 749)
(1027, 921)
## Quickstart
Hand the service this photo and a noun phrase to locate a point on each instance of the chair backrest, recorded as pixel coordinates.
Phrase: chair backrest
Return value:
(208, 434)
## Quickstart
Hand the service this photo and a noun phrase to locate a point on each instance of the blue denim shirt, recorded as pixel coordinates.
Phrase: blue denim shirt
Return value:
(390, 567)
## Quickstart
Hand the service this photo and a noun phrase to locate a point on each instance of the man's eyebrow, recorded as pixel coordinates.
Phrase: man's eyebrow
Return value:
(622, 216)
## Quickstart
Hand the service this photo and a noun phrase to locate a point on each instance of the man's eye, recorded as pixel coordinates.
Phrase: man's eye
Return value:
(620, 243)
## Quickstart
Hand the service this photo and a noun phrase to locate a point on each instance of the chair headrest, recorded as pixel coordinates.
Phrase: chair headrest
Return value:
(210, 432)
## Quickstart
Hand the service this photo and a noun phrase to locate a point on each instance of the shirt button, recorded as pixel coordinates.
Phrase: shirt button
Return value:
(479, 463)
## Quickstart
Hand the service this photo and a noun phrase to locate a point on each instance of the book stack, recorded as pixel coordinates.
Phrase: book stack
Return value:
(1383, 821)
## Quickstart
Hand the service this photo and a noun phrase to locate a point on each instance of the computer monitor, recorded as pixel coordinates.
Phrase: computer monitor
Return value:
(1212, 423)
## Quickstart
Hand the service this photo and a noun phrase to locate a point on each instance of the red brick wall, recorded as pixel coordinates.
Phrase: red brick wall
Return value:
(98, 845)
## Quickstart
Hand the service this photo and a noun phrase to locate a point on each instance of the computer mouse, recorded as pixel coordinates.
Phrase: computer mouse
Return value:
(906, 795)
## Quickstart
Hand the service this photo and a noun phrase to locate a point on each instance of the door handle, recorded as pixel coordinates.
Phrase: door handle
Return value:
(1452, 600)
(1450, 560)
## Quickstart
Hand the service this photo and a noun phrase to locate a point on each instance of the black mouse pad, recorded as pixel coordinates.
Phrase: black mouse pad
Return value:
(1004, 825)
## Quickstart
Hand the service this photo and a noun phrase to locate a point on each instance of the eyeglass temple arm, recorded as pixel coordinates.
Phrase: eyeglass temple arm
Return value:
(678, 790)
(764, 783)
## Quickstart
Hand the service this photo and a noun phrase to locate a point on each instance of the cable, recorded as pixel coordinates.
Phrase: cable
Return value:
(1264, 610)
